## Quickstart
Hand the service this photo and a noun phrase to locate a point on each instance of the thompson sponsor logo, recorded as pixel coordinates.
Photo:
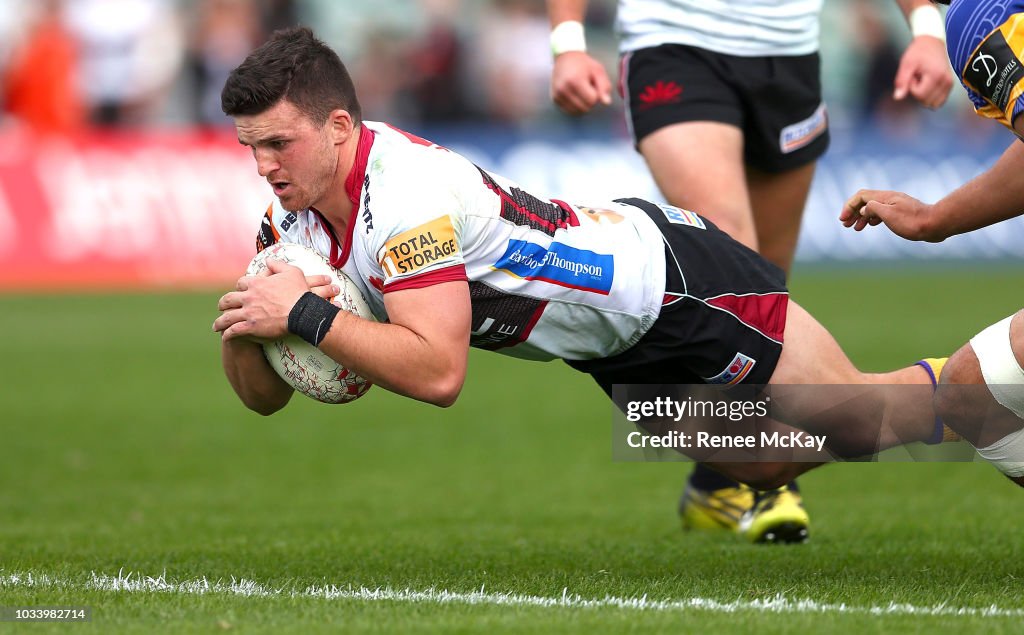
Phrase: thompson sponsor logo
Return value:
(559, 264)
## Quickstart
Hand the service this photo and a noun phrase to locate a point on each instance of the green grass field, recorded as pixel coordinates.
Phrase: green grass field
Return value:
(122, 449)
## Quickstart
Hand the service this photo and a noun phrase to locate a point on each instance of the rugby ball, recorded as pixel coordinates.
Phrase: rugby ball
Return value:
(305, 367)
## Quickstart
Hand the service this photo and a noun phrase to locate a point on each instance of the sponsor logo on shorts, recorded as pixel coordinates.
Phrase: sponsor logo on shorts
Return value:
(797, 135)
(735, 372)
(994, 70)
(660, 93)
(558, 264)
(419, 248)
(678, 216)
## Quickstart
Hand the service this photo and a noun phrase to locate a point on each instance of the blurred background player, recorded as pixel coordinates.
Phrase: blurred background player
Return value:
(131, 52)
(39, 84)
(986, 50)
(741, 82)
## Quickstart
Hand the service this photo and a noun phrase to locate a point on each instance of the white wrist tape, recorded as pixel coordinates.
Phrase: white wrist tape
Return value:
(568, 36)
(999, 366)
(926, 20)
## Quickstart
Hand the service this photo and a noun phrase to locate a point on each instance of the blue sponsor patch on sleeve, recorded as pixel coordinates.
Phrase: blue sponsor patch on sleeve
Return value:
(559, 264)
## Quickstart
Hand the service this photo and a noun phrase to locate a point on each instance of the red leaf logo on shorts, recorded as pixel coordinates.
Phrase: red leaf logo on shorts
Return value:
(660, 93)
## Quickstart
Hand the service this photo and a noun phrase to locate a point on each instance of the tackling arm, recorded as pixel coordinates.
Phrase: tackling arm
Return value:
(993, 196)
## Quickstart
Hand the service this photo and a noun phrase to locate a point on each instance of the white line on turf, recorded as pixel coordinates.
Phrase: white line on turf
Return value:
(134, 583)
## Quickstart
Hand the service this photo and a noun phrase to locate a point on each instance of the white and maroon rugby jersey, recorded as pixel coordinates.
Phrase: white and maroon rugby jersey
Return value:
(547, 279)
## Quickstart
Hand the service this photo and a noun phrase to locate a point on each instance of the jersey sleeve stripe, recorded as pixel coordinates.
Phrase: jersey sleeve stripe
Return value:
(453, 273)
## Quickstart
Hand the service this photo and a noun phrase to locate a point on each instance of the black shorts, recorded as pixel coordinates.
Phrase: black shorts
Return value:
(775, 101)
(723, 316)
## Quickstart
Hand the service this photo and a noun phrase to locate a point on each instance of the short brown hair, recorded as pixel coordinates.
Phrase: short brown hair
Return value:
(294, 65)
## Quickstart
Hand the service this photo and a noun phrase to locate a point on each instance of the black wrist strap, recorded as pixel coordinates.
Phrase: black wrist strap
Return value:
(311, 318)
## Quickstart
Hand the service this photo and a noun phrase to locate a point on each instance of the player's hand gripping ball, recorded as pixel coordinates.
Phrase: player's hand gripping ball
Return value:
(305, 367)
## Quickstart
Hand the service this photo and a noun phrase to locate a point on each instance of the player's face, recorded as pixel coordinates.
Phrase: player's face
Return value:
(297, 157)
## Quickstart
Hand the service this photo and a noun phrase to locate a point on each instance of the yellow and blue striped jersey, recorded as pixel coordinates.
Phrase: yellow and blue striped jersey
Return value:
(985, 41)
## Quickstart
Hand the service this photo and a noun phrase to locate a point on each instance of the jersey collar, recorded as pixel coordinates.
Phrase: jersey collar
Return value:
(354, 182)
(354, 190)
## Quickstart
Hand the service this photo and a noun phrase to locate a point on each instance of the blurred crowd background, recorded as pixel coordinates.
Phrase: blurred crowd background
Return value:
(154, 199)
(69, 64)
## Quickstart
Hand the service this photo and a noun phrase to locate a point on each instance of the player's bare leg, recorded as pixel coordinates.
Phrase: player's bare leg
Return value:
(709, 180)
(815, 388)
(777, 201)
(967, 404)
(878, 411)
(859, 412)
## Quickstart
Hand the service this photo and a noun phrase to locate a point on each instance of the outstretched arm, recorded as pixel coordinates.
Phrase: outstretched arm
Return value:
(923, 71)
(993, 196)
(578, 81)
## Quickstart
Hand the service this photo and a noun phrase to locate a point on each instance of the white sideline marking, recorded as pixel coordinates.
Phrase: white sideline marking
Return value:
(134, 583)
